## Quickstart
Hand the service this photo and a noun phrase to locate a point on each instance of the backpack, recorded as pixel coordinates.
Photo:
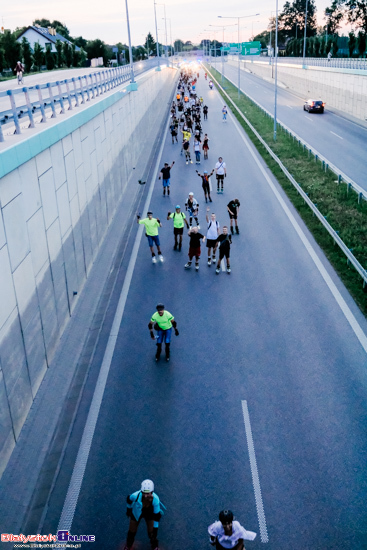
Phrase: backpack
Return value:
(210, 224)
(174, 214)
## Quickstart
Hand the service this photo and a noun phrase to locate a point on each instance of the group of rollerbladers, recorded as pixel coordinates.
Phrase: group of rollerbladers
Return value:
(186, 118)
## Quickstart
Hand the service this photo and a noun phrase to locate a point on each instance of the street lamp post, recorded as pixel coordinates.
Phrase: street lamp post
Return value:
(239, 57)
(156, 35)
(222, 51)
(133, 85)
(215, 44)
(304, 37)
(276, 72)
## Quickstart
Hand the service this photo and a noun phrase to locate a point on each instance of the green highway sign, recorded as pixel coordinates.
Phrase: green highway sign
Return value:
(247, 48)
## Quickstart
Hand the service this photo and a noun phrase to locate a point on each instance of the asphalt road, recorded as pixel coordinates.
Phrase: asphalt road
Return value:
(272, 334)
(341, 141)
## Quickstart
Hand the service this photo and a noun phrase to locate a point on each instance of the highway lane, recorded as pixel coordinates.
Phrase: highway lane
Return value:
(271, 333)
(341, 141)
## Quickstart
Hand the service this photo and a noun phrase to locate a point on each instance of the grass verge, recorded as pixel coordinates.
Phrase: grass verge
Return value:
(340, 207)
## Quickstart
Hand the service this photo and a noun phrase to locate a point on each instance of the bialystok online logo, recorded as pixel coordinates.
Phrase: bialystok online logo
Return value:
(62, 536)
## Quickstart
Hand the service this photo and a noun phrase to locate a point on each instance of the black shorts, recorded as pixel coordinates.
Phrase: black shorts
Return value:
(232, 216)
(211, 243)
(220, 176)
(224, 253)
(178, 230)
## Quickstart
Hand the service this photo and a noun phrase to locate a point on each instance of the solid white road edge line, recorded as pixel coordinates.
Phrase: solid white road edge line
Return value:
(357, 329)
(75, 484)
(255, 475)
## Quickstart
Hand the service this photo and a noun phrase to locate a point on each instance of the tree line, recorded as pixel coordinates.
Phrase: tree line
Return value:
(319, 40)
(66, 55)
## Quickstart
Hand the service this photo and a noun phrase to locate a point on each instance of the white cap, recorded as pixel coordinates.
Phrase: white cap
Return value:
(147, 486)
(191, 193)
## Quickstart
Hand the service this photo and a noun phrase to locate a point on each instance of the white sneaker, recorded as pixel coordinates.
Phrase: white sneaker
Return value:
(198, 226)
(209, 261)
(161, 257)
(154, 260)
(197, 268)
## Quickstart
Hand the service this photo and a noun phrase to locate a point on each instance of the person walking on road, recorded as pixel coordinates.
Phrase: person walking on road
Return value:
(144, 504)
(162, 321)
(206, 146)
(211, 235)
(227, 533)
(205, 178)
(151, 231)
(197, 148)
(221, 173)
(173, 130)
(165, 174)
(192, 207)
(225, 241)
(205, 112)
(233, 208)
(186, 149)
(179, 219)
(224, 113)
(194, 248)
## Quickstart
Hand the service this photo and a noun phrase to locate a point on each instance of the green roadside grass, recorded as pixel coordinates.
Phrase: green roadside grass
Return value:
(337, 205)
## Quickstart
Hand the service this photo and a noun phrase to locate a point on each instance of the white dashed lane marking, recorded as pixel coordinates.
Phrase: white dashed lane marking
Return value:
(255, 475)
(337, 135)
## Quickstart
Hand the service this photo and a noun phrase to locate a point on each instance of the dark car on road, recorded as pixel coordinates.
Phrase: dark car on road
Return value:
(314, 106)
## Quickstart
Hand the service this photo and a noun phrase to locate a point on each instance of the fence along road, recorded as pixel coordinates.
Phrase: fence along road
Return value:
(37, 102)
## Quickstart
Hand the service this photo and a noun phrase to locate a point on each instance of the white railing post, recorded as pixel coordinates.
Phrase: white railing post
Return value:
(42, 107)
(60, 97)
(51, 97)
(29, 106)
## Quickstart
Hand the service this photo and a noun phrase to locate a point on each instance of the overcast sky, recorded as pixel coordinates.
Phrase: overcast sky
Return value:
(106, 19)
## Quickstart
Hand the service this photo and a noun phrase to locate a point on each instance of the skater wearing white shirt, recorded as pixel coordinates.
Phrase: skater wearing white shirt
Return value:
(221, 173)
(227, 533)
(212, 235)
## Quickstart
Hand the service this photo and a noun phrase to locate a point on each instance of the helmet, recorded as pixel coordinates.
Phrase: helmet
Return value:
(147, 486)
(226, 516)
(177, 206)
(159, 307)
(191, 193)
(205, 171)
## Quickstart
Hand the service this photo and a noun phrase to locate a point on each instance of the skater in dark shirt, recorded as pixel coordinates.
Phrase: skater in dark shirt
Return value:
(225, 241)
(206, 184)
(233, 208)
(165, 174)
(194, 248)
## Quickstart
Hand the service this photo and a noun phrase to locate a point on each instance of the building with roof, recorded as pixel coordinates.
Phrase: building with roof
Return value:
(44, 35)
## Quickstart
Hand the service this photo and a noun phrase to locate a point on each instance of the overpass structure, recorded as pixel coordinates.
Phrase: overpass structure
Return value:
(261, 408)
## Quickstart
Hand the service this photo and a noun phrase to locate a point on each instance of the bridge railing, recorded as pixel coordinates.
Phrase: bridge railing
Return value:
(333, 63)
(43, 101)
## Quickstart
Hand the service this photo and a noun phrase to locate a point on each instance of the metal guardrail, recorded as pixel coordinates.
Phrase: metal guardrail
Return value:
(350, 256)
(342, 177)
(333, 63)
(62, 95)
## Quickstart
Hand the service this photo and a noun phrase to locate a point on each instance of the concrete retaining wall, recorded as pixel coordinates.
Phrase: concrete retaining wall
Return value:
(341, 89)
(58, 194)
